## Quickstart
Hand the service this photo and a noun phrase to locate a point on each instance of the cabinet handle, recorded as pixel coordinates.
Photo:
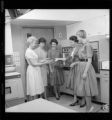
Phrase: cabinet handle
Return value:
(106, 74)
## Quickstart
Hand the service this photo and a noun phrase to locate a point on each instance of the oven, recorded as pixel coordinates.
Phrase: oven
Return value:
(12, 86)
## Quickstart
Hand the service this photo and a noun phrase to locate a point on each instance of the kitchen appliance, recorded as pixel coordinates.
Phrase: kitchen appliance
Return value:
(95, 58)
(13, 82)
(105, 65)
(8, 60)
(66, 52)
(13, 86)
(9, 64)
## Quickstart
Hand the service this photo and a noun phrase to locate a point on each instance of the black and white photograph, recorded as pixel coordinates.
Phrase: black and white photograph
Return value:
(57, 61)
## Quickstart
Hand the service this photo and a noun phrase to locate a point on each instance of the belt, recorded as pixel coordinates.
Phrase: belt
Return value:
(83, 60)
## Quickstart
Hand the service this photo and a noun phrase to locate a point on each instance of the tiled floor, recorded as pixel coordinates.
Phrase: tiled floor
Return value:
(65, 100)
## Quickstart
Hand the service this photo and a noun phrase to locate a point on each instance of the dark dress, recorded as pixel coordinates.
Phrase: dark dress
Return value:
(71, 78)
(57, 76)
(89, 86)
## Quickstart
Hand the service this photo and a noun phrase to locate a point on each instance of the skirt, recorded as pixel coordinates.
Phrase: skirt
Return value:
(71, 78)
(34, 81)
(44, 74)
(57, 77)
(87, 87)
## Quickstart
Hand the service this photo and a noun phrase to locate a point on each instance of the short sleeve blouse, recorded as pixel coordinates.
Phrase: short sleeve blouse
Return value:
(89, 51)
(30, 54)
(86, 51)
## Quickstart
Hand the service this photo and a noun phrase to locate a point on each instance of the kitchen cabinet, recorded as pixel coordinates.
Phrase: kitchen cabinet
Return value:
(11, 89)
(63, 88)
(98, 98)
(13, 86)
(104, 86)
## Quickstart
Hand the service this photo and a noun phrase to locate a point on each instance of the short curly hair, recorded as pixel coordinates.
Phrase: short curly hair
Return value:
(31, 39)
(73, 38)
(54, 40)
(41, 40)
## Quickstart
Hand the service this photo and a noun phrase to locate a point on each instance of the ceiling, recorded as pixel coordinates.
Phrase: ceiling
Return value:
(57, 17)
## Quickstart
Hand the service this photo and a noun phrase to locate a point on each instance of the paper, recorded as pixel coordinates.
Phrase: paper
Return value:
(57, 59)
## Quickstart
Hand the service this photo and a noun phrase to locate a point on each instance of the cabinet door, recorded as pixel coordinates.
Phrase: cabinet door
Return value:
(11, 89)
(20, 88)
(104, 74)
(105, 90)
(63, 87)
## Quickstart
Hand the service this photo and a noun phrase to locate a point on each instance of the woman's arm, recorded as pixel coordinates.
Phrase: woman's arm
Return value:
(74, 63)
(49, 56)
(87, 65)
(34, 62)
(89, 56)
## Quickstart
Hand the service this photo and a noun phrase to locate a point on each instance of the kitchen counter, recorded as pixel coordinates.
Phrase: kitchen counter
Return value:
(11, 75)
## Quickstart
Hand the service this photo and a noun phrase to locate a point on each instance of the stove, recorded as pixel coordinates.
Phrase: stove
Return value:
(13, 86)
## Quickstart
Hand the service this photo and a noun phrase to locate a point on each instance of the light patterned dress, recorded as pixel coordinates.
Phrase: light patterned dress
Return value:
(33, 75)
(42, 54)
(90, 87)
(56, 77)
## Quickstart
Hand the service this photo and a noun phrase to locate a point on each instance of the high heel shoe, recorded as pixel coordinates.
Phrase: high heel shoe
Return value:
(90, 109)
(75, 103)
(83, 105)
(57, 98)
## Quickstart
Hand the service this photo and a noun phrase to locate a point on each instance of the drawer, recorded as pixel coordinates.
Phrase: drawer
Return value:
(104, 73)
(105, 90)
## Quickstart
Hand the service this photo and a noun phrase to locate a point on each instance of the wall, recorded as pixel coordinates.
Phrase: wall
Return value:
(60, 34)
(96, 29)
(18, 41)
(96, 26)
(18, 46)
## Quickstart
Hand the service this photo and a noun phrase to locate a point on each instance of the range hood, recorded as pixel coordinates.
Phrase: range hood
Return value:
(8, 39)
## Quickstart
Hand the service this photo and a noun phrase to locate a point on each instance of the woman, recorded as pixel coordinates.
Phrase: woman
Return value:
(42, 55)
(86, 83)
(71, 78)
(34, 80)
(56, 71)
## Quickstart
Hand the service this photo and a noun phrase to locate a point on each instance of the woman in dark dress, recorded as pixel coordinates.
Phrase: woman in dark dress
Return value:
(71, 78)
(56, 71)
(85, 77)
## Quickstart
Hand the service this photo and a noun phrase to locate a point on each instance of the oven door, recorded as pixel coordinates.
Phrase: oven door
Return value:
(11, 89)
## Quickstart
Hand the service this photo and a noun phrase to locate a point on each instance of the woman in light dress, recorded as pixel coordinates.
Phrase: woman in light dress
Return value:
(56, 71)
(34, 78)
(86, 83)
(42, 55)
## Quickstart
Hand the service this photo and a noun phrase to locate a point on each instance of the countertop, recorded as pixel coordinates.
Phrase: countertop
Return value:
(11, 73)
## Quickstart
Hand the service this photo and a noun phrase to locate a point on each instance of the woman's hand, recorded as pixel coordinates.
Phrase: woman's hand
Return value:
(72, 65)
(75, 63)
(84, 76)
